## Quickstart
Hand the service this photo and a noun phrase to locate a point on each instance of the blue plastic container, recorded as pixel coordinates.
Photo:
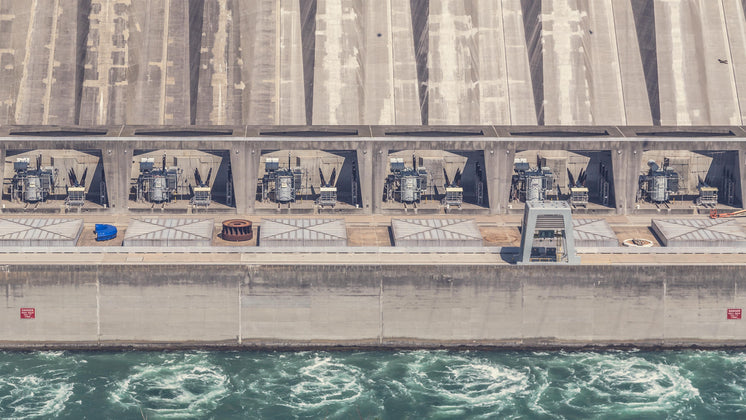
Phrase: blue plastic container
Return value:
(105, 232)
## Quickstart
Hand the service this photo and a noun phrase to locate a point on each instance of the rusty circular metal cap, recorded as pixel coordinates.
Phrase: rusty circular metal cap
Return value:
(237, 230)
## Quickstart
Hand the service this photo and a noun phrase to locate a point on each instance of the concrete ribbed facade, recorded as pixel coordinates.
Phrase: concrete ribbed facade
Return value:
(392, 62)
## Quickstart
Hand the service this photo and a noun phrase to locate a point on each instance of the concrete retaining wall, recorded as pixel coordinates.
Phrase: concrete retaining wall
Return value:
(377, 305)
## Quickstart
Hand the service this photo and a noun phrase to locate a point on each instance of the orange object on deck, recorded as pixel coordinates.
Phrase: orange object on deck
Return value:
(715, 215)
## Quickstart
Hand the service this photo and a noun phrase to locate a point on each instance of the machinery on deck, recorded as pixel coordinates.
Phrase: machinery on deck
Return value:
(405, 184)
(454, 191)
(327, 191)
(157, 185)
(32, 185)
(76, 189)
(578, 191)
(659, 184)
(237, 230)
(202, 192)
(531, 184)
(281, 185)
(715, 215)
(105, 232)
(708, 196)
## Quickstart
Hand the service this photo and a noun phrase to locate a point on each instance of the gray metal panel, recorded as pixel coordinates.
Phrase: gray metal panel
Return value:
(436, 232)
(312, 233)
(169, 232)
(40, 232)
(532, 212)
(700, 232)
(593, 233)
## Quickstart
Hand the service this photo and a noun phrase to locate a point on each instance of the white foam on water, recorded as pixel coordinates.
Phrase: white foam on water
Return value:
(605, 384)
(180, 387)
(32, 396)
(325, 381)
(465, 382)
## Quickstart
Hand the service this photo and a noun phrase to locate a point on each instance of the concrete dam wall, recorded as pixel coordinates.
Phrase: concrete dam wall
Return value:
(370, 305)
(392, 62)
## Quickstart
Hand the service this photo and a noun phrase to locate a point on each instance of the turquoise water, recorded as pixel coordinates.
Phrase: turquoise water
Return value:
(404, 384)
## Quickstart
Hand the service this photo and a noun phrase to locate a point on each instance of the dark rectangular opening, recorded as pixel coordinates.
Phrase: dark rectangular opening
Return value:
(325, 132)
(559, 133)
(707, 132)
(185, 132)
(59, 132)
(438, 132)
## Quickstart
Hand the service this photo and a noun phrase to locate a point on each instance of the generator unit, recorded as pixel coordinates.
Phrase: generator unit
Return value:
(76, 189)
(708, 196)
(531, 184)
(32, 185)
(281, 185)
(405, 184)
(578, 191)
(327, 191)
(659, 184)
(454, 191)
(157, 185)
(202, 192)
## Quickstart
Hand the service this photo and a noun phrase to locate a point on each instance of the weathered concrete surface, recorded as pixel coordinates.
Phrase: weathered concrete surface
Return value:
(377, 305)
(65, 303)
(279, 62)
(695, 67)
(49, 77)
(129, 301)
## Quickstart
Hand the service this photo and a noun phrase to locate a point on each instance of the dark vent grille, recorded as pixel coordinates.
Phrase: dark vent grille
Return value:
(59, 132)
(310, 133)
(184, 132)
(560, 133)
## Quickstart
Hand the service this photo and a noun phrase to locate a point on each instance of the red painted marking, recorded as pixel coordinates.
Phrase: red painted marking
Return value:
(28, 313)
(734, 313)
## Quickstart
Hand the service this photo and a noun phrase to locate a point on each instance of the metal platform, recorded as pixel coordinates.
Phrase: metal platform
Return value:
(40, 232)
(169, 232)
(436, 232)
(700, 232)
(302, 233)
(593, 233)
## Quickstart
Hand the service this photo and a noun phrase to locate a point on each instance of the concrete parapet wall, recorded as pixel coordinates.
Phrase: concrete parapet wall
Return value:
(371, 305)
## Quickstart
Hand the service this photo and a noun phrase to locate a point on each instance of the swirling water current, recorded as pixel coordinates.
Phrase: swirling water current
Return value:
(385, 385)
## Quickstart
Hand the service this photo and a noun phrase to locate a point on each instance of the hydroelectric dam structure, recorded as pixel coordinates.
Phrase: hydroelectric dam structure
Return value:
(406, 174)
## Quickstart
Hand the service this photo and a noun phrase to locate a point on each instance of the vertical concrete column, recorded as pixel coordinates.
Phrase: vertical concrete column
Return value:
(742, 174)
(220, 84)
(2, 161)
(517, 66)
(702, 92)
(117, 166)
(624, 162)
(366, 176)
(48, 86)
(736, 26)
(14, 18)
(453, 88)
(104, 93)
(244, 164)
(380, 165)
(338, 96)
(637, 108)
(160, 86)
(497, 167)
